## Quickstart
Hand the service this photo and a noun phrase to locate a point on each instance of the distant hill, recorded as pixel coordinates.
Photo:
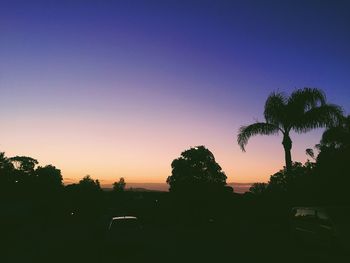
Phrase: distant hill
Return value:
(141, 189)
(163, 187)
(240, 187)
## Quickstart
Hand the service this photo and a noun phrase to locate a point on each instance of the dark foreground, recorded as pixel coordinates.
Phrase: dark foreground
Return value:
(243, 242)
(244, 237)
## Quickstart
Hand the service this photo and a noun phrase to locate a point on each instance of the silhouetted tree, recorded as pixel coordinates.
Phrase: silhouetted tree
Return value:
(49, 178)
(85, 198)
(258, 188)
(304, 110)
(7, 179)
(5, 163)
(119, 186)
(22, 176)
(196, 169)
(24, 163)
(87, 184)
(333, 163)
(337, 137)
(296, 184)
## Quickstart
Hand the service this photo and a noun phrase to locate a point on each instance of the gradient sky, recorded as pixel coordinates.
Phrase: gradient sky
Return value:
(121, 88)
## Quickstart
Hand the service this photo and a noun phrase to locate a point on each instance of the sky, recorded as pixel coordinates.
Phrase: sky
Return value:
(120, 88)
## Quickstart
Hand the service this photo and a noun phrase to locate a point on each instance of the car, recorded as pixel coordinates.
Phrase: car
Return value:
(125, 231)
(322, 226)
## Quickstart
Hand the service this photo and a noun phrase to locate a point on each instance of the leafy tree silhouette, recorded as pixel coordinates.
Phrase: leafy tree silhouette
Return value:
(5, 163)
(288, 181)
(49, 178)
(333, 163)
(7, 180)
(196, 169)
(87, 184)
(337, 137)
(304, 110)
(294, 186)
(19, 178)
(85, 198)
(120, 185)
(258, 188)
(24, 163)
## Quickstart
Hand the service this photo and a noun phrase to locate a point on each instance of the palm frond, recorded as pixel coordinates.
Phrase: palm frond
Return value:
(310, 152)
(262, 128)
(306, 99)
(275, 108)
(327, 115)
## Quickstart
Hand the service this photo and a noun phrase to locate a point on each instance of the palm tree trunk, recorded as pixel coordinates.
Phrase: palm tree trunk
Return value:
(287, 145)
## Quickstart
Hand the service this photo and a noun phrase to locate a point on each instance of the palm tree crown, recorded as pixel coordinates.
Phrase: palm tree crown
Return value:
(305, 109)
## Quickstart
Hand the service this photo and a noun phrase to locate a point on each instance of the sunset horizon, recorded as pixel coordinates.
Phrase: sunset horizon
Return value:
(174, 131)
(121, 89)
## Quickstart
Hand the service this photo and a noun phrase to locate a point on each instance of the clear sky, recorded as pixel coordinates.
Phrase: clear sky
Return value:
(121, 88)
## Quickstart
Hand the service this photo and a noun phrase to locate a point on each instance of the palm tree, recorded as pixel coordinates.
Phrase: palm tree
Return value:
(305, 109)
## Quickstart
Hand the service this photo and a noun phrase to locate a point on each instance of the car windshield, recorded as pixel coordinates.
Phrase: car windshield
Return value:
(124, 224)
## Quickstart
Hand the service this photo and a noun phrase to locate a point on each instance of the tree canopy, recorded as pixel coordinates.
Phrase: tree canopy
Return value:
(24, 163)
(87, 184)
(19, 177)
(196, 169)
(120, 185)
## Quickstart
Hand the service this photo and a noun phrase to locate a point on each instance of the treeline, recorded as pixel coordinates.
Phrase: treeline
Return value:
(33, 193)
(20, 178)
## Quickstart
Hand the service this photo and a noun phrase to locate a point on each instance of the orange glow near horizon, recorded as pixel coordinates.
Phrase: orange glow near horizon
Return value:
(120, 88)
(108, 150)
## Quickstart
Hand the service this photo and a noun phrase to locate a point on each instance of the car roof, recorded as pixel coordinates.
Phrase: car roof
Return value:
(311, 207)
(124, 217)
(322, 208)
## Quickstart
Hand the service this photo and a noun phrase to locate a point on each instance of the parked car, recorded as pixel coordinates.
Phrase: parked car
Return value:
(125, 231)
(326, 226)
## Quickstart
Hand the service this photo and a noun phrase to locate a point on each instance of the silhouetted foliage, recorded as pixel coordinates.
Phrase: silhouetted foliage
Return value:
(5, 163)
(85, 198)
(20, 179)
(120, 185)
(333, 163)
(311, 153)
(89, 185)
(304, 110)
(196, 169)
(24, 163)
(258, 188)
(337, 137)
(7, 179)
(291, 181)
(324, 181)
(49, 178)
(291, 186)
